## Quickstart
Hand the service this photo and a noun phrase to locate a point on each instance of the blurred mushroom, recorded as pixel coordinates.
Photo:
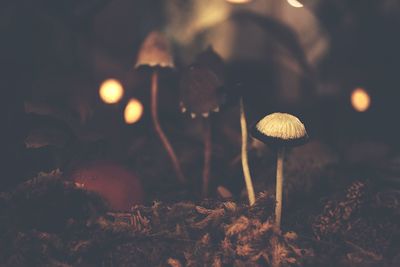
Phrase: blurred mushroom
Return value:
(280, 130)
(201, 85)
(155, 53)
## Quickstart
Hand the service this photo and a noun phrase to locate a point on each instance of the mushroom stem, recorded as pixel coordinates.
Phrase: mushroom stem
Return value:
(245, 162)
(279, 186)
(160, 132)
(207, 156)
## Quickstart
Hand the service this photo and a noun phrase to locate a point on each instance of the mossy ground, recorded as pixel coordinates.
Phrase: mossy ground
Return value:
(47, 221)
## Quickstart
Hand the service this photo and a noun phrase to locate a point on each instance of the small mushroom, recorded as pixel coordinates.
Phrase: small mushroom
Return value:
(155, 53)
(280, 130)
(201, 96)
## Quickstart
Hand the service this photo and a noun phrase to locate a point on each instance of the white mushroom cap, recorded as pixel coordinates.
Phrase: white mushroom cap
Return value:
(155, 52)
(281, 128)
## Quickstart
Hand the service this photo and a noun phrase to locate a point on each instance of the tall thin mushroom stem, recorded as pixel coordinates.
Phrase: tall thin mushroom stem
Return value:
(207, 156)
(160, 132)
(279, 186)
(245, 162)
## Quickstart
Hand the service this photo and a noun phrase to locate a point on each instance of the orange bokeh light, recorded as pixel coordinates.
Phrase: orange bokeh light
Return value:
(239, 1)
(111, 91)
(133, 111)
(360, 100)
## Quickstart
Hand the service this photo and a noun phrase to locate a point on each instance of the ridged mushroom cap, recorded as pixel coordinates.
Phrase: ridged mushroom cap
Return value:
(280, 128)
(155, 52)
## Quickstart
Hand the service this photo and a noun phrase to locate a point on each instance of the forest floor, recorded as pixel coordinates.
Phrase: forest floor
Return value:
(48, 221)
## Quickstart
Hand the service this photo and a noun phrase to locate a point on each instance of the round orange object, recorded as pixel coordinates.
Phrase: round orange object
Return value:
(133, 111)
(118, 185)
(111, 91)
(360, 100)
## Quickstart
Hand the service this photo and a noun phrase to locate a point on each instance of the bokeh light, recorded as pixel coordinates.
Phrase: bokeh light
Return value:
(360, 100)
(111, 91)
(133, 111)
(295, 3)
(239, 1)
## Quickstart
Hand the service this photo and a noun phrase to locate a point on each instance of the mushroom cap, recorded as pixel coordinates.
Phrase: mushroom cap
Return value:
(280, 129)
(200, 91)
(202, 85)
(155, 52)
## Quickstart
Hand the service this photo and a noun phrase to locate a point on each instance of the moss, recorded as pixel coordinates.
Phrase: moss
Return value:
(49, 222)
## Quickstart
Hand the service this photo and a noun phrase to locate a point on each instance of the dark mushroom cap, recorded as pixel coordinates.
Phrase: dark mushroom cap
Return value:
(280, 129)
(155, 52)
(200, 91)
(201, 85)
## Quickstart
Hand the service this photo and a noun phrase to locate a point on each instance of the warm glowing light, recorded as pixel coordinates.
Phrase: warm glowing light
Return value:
(111, 91)
(133, 111)
(239, 1)
(295, 3)
(204, 14)
(360, 99)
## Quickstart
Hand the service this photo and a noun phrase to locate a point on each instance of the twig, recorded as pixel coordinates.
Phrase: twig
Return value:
(370, 254)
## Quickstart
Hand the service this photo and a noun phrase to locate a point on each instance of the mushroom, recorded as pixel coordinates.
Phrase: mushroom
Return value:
(280, 130)
(201, 96)
(155, 53)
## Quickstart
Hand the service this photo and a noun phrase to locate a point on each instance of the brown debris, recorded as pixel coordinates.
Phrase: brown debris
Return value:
(336, 216)
(174, 262)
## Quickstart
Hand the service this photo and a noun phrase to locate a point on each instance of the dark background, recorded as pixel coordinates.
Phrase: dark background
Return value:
(55, 54)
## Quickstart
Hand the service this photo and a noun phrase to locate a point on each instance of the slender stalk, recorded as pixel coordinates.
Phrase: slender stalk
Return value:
(207, 156)
(245, 162)
(279, 186)
(276, 258)
(160, 132)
